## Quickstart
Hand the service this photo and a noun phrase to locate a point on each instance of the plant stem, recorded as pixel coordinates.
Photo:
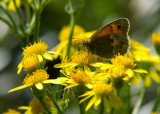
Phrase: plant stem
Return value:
(101, 108)
(19, 16)
(27, 10)
(72, 24)
(127, 98)
(37, 25)
(155, 107)
(39, 94)
(45, 106)
(25, 36)
(50, 94)
(140, 100)
(16, 29)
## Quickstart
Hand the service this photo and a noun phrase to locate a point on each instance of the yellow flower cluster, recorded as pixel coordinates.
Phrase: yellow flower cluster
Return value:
(96, 78)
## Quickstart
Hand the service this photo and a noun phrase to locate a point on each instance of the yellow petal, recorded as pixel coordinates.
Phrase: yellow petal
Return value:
(137, 79)
(24, 107)
(48, 56)
(97, 102)
(155, 76)
(60, 80)
(140, 71)
(147, 81)
(106, 105)
(85, 98)
(130, 73)
(91, 102)
(39, 86)
(40, 58)
(18, 88)
(20, 66)
(53, 52)
(115, 101)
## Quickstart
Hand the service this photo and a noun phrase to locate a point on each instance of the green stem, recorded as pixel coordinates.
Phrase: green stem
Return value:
(6, 22)
(140, 100)
(37, 25)
(25, 36)
(39, 94)
(45, 106)
(27, 10)
(19, 16)
(79, 90)
(50, 94)
(72, 24)
(17, 31)
(127, 98)
(155, 107)
(101, 108)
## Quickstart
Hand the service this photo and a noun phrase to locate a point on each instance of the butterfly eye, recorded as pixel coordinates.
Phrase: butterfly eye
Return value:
(119, 26)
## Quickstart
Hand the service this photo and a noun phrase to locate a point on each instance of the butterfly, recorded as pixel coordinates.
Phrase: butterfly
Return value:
(110, 39)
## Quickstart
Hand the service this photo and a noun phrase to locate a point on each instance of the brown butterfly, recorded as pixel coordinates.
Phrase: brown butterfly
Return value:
(110, 39)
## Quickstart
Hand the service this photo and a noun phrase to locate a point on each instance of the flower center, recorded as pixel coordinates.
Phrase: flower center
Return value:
(30, 62)
(84, 57)
(36, 48)
(125, 61)
(37, 77)
(81, 78)
(103, 89)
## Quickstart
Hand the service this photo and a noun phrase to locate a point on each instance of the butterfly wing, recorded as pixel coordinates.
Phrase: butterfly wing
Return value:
(110, 39)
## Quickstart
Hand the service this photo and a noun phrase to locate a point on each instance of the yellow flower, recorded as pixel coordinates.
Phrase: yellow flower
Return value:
(156, 38)
(30, 63)
(123, 69)
(33, 55)
(35, 106)
(40, 50)
(105, 92)
(141, 53)
(81, 58)
(11, 111)
(79, 36)
(64, 33)
(37, 78)
(10, 4)
(123, 61)
(74, 78)
(146, 61)
(156, 42)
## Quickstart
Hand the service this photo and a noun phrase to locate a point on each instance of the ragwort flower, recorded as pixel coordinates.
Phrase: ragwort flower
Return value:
(102, 92)
(81, 58)
(145, 60)
(11, 111)
(37, 78)
(74, 78)
(33, 56)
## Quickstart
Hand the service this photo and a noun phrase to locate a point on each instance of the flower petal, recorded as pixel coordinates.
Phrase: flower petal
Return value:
(40, 58)
(97, 102)
(115, 101)
(140, 71)
(155, 76)
(18, 88)
(106, 104)
(91, 102)
(48, 56)
(20, 66)
(39, 86)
